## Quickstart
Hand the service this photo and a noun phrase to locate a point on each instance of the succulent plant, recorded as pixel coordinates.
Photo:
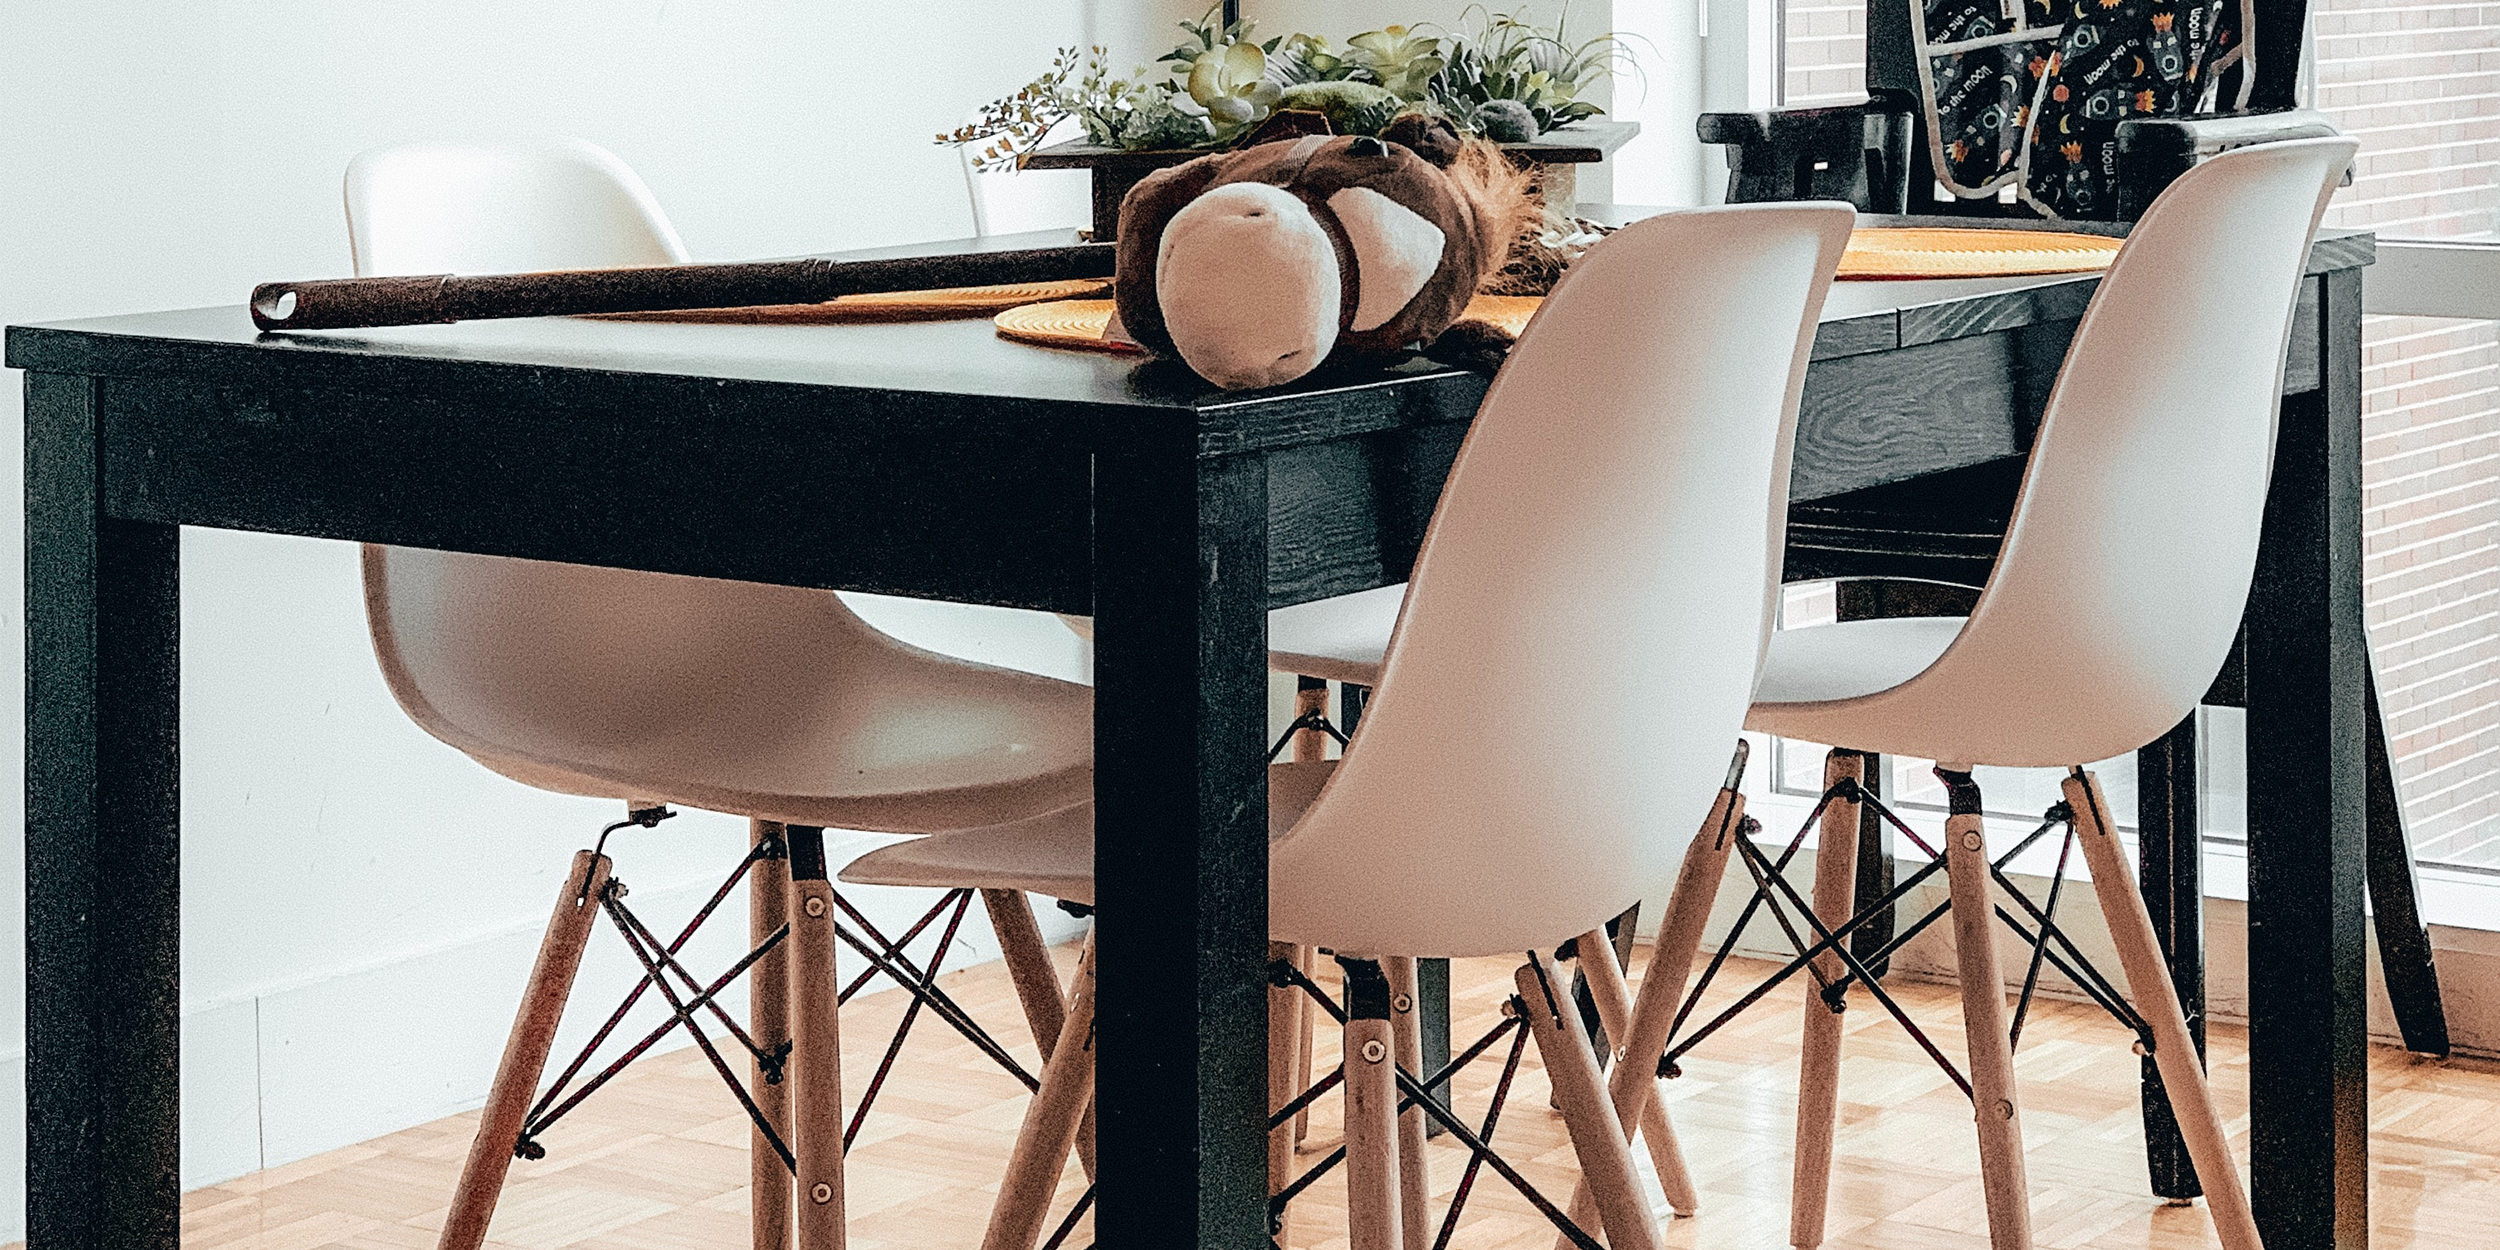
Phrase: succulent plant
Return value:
(1505, 121)
(1231, 85)
(1157, 124)
(1504, 58)
(1306, 59)
(1397, 58)
(1352, 108)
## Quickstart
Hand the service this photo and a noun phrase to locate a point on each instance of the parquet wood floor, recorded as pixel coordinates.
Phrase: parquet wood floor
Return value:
(658, 1162)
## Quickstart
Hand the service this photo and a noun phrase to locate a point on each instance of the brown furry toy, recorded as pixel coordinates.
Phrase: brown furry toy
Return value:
(1255, 266)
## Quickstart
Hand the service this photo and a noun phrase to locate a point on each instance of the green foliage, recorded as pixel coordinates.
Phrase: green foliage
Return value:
(1397, 58)
(1083, 88)
(1505, 58)
(1352, 108)
(1502, 77)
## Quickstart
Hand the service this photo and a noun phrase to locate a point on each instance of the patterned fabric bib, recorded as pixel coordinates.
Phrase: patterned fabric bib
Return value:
(2029, 93)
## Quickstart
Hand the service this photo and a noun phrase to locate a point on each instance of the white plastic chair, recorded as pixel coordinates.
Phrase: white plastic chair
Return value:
(1014, 201)
(2114, 599)
(770, 702)
(1629, 461)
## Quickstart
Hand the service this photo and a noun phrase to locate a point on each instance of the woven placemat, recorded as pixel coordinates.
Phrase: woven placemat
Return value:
(1921, 252)
(961, 301)
(1079, 323)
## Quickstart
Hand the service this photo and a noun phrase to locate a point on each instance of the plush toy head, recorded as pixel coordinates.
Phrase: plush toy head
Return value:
(1254, 266)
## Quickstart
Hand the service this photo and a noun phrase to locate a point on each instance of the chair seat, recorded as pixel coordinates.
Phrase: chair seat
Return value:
(1339, 639)
(1052, 854)
(1847, 660)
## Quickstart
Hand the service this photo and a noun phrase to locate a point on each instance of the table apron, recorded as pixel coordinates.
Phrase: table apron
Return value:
(757, 487)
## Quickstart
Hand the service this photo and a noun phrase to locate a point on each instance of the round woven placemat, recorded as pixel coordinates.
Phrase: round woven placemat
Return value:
(960, 301)
(1920, 252)
(1079, 323)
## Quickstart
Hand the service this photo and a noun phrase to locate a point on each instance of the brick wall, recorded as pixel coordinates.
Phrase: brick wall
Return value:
(2419, 84)
(1824, 51)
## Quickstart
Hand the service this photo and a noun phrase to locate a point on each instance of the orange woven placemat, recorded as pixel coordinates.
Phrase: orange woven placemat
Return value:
(961, 301)
(1079, 323)
(1921, 252)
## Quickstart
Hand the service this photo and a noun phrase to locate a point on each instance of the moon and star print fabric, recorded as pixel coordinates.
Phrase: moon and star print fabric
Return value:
(2029, 93)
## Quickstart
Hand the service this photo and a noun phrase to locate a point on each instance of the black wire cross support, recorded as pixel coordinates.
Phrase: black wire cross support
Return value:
(690, 999)
(1414, 1092)
(2037, 927)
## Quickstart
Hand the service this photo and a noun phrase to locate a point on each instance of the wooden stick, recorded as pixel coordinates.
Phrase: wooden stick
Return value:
(344, 303)
(1597, 1137)
(1308, 959)
(1310, 694)
(1284, 1042)
(816, 1050)
(768, 1020)
(1372, 1187)
(2157, 1000)
(1036, 981)
(1414, 1170)
(1993, 1104)
(1818, 1066)
(525, 1053)
(1050, 1123)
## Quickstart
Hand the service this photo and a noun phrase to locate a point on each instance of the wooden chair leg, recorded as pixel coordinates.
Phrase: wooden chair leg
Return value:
(1310, 695)
(1818, 1067)
(1597, 1137)
(1050, 1125)
(1036, 982)
(1308, 958)
(816, 1046)
(1632, 1085)
(1373, 1221)
(525, 1053)
(768, 1021)
(2148, 984)
(1414, 1171)
(1993, 1104)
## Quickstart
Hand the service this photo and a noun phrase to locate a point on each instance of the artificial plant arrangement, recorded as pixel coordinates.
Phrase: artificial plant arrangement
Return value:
(1502, 78)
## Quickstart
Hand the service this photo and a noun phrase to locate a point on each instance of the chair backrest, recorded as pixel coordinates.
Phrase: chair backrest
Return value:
(2127, 564)
(1604, 550)
(529, 664)
(1013, 201)
(506, 207)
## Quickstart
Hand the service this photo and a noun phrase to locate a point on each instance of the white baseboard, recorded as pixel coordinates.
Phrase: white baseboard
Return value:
(306, 1067)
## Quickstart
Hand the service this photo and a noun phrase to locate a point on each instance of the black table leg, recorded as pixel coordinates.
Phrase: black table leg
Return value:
(103, 821)
(1180, 698)
(2406, 964)
(1432, 1014)
(2170, 872)
(1875, 875)
(2307, 670)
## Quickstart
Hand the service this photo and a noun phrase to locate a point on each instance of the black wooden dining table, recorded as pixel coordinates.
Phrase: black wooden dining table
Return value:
(935, 459)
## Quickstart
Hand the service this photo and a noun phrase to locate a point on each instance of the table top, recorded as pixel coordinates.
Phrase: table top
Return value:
(962, 358)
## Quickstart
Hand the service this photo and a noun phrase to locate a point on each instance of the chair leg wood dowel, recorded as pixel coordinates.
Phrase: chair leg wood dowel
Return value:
(1993, 1104)
(1414, 1170)
(1634, 1081)
(1310, 697)
(525, 1053)
(1284, 1047)
(1373, 1221)
(1597, 1137)
(2157, 1001)
(1036, 981)
(768, 1020)
(1614, 1010)
(1308, 959)
(1051, 1123)
(1818, 1064)
(816, 1047)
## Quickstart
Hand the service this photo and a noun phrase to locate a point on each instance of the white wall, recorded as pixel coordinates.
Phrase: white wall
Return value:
(360, 902)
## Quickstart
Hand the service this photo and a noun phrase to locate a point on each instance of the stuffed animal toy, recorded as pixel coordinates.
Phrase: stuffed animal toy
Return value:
(1254, 266)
